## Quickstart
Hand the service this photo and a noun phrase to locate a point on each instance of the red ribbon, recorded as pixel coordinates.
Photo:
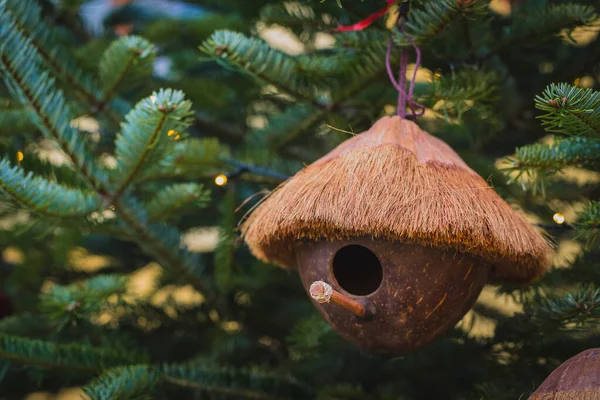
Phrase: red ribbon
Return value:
(359, 26)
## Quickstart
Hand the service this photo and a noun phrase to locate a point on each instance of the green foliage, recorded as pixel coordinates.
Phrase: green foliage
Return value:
(466, 90)
(63, 174)
(425, 23)
(588, 223)
(122, 383)
(535, 164)
(338, 392)
(257, 59)
(291, 14)
(81, 300)
(160, 239)
(245, 384)
(309, 338)
(43, 197)
(15, 121)
(70, 356)
(133, 381)
(284, 127)
(196, 30)
(124, 260)
(540, 25)
(195, 152)
(546, 315)
(125, 63)
(570, 110)
(21, 64)
(570, 311)
(25, 19)
(177, 198)
(146, 130)
(188, 159)
(224, 252)
(576, 151)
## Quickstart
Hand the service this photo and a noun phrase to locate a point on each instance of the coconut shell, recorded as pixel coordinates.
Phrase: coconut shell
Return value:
(398, 183)
(578, 378)
(418, 294)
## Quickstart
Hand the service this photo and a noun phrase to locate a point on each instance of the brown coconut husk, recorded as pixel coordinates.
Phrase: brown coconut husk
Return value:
(578, 378)
(399, 183)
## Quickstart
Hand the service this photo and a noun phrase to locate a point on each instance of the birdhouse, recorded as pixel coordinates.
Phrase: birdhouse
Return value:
(394, 236)
(577, 378)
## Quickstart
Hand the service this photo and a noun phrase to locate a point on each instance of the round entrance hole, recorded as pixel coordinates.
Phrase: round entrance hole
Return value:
(357, 270)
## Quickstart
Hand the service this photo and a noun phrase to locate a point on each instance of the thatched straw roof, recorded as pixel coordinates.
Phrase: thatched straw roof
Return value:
(397, 182)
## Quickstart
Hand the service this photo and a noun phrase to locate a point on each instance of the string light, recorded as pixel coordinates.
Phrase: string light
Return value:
(20, 156)
(558, 218)
(221, 180)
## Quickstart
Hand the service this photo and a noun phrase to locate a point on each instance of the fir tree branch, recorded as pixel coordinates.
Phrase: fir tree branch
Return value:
(15, 121)
(81, 299)
(162, 241)
(552, 20)
(26, 16)
(285, 127)
(20, 63)
(588, 222)
(309, 337)
(361, 69)
(281, 138)
(53, 116)
(124, 63)
(460, 91)
(123, 383)
(258, 59)
(63, 174)
(64, 356)
(425, 23)
(175, 199)
(256, 170)
(545, 312)
(578, 307)
(354, 72)
(24, 324)
(136, 168)
(146, 131)
(208, 123)
(188, 159)
(550, 158)
(128, 382)
(247, 384)
(225, 249)
(196, 152)
(570, 110)
(44, 197)
(291, 14)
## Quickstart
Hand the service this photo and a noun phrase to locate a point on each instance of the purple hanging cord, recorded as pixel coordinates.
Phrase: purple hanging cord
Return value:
(400, 85)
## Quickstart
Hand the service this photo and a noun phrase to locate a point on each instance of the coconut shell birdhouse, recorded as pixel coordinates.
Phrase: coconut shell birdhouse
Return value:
(394, 236)
(578, 378)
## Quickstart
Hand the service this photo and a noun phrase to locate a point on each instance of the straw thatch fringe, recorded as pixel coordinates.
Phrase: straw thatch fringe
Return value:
(381, 187)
